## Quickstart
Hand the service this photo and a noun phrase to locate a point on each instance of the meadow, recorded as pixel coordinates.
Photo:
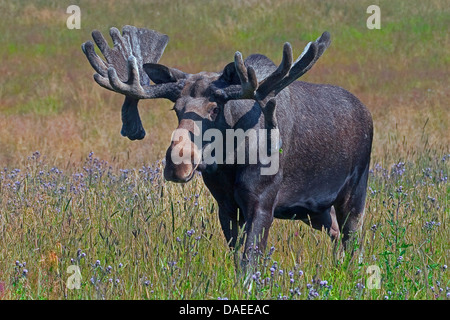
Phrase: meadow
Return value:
(74, 192)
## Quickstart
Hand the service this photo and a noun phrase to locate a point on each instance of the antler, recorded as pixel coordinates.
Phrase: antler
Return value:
(123, 72)
(286, 73)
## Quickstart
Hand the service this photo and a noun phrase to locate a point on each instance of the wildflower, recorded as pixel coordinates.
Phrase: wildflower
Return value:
(313, 293)
(24, 272)
(323, 283)
(430, 225)
(360, 286)
(120, 265)
(398, 168)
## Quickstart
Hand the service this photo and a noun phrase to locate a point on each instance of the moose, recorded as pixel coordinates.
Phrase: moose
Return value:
(324, 133)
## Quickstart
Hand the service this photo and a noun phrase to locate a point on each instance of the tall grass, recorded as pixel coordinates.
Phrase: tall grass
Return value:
(134, 235)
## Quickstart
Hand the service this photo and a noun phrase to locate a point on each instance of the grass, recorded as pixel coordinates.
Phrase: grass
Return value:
(65, 206)
(135, 236)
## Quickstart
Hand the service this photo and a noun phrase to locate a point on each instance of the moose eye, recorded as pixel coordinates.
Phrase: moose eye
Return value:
(214, 112)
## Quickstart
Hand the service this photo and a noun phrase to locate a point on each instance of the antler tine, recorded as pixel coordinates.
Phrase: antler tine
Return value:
(324, 42)
(305, 61)
(282, 70)
(96, 62)
(249, 83)
(300, 67)
(132, 87)
(286, 73)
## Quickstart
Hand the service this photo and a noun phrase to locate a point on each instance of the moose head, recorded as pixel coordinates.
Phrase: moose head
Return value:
(131, 69)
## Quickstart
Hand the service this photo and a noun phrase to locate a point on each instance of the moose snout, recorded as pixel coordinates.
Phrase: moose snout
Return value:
(180, 173)
(181, 158)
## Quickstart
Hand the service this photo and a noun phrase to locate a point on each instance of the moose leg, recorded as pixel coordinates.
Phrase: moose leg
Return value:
(257, 203)
(258, 219)
(350, 209)
(257, 232)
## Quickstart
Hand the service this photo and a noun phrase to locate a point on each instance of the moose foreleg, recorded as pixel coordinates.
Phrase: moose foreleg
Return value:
(231, 223)
(257, 232)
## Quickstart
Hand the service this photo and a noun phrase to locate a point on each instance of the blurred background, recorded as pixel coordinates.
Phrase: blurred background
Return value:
(50, 103)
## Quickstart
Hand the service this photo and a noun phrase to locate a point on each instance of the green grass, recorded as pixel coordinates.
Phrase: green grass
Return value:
(121, 212)
(163, 240)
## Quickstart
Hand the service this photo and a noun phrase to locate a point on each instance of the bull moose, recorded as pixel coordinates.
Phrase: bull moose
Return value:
(325, 131)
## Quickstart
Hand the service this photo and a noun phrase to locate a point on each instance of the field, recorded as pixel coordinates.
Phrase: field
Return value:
(74, 192)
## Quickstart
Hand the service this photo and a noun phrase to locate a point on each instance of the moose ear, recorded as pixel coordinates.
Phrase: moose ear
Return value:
(230, 75)
(162, 74)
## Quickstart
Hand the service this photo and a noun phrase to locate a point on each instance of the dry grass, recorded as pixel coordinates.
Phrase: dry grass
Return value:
(49, 102)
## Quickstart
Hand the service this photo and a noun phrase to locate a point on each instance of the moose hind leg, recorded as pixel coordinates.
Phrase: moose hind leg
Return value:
(351, 208)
